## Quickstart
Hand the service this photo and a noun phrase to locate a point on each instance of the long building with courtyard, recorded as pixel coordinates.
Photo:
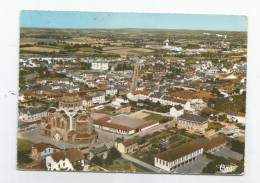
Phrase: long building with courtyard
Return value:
(178, 156)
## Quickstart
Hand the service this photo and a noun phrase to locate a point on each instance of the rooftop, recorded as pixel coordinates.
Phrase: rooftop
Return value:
(179, 151)
(192, 117)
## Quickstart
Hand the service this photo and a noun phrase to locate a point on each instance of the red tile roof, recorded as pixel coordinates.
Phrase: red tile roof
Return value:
(74, 155)
(42, 146)
(57, 156)
(179, 151)
(140, 92)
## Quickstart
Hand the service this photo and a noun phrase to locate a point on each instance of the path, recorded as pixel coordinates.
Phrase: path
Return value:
(143, 164)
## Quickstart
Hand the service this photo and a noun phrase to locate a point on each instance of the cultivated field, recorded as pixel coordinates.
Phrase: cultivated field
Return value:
(124, 51)
(40, 49)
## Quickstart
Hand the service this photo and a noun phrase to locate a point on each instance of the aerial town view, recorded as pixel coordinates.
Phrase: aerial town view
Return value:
(133, 100)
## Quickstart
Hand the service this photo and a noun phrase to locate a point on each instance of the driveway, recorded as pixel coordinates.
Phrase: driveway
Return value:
(228, 153)
(143, 164)
(194, 167)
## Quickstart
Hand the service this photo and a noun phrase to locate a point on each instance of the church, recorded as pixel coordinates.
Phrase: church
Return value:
(69, 122)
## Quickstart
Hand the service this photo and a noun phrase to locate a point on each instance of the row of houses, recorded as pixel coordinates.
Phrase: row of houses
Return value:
(188, 100)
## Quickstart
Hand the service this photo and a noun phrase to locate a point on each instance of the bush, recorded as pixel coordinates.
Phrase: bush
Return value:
(238, 146)
(23, 158)
(96, 160)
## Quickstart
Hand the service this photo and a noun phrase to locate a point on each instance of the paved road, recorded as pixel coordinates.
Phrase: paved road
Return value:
(228, 153)
(103, 138)
(143, 164)
(194, 167)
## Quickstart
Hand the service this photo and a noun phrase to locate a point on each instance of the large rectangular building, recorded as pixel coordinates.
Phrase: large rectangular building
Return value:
(192, 122)
(178, 156)
(99, 66)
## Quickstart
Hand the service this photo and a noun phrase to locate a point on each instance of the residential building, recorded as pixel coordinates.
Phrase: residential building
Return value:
(128, 146)
(138, 95)
(176, 111)
(192, 122)
(32, 114)
(42, 150)
(99, 66)
(65, 160)
(99, 151)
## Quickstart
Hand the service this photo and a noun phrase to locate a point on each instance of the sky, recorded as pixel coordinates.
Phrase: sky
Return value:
(102, 20)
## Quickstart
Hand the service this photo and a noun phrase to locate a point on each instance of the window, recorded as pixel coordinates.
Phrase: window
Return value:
(166, 163)
(63, 164)
(59, 165)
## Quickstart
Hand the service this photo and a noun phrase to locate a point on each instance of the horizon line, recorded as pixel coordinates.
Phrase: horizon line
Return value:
(131, 28)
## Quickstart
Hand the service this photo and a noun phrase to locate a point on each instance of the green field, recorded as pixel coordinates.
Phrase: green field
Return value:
(24, 150)
(173, 59)
(24, 145)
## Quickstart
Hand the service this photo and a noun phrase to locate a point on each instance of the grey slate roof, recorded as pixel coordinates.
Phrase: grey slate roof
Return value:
(168, 98)
(192, 117)
(119, 140)
(99, 150)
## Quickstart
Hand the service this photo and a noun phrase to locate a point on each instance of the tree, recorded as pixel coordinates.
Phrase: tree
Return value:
(112, 155)
(96, 160)
(77, 166)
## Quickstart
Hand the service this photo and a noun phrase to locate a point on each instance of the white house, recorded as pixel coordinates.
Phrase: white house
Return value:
(138, 95)
(176, 111)
(98, 97)
(58, 161)
(111, 91)
(64, 160)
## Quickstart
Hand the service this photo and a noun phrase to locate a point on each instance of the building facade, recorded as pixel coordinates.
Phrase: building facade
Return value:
(99, 66)
(179, 156)
(192, 122)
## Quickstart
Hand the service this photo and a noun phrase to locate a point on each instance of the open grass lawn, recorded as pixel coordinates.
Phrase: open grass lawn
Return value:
(24, 149)
(24, 145)
(154, 117)
(88, 49)
(146, 157)
(125, 166)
